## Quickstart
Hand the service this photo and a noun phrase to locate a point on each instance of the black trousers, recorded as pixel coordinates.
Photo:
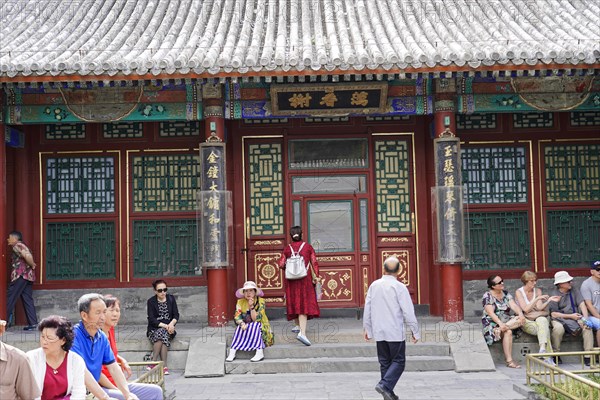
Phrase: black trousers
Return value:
(392, 359)
(24, 289)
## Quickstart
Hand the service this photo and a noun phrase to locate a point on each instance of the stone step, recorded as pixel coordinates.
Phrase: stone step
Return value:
(334, 364)
(343, 350)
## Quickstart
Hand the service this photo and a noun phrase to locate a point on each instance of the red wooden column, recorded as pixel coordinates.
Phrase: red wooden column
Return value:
(218, 311)
(23, 195)
(3, 227)
(451, 274)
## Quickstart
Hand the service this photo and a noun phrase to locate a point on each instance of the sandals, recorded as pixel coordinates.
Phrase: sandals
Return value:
(512, 364)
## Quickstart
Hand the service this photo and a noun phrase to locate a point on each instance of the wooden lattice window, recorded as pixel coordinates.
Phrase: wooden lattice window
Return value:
(165, 182)
(80, 185)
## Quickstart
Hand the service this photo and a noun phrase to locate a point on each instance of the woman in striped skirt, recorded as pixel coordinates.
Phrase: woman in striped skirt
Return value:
(253, 330)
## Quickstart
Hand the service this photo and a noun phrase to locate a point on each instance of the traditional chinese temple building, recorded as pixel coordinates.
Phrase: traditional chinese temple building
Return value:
(322, 113)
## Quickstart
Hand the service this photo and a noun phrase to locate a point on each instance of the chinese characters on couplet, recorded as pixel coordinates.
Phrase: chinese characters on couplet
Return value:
(213, 206)
(449, 200)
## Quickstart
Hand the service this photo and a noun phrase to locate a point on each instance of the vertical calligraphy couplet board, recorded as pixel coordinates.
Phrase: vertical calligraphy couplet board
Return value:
(214, 208)
(447, 202)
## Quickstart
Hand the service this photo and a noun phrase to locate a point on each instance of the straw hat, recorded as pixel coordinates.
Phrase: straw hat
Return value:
(562, 277)
(248, 285)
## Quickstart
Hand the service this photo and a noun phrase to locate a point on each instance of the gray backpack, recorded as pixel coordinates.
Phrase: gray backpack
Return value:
(295, 268)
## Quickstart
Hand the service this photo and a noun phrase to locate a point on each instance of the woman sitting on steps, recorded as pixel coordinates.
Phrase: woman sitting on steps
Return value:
(253, 330)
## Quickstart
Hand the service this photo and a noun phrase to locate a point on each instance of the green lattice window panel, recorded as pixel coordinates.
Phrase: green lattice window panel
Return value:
(476, 121)
(572, 172)
(179, 129)
(573, 238)
(123, 130)
(165, 182)
(533, 120)
(165, 248)
(392, 181)
(80, 185)
(266, 189)
(585, 118)
(80, 250)
(65, 131)
(498, 241)
(494, 175)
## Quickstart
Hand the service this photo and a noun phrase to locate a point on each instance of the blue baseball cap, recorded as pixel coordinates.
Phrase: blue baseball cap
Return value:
(595, 264)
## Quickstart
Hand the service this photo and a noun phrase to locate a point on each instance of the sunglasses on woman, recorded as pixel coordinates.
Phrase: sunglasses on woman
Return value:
(162, 290)
(499, 283)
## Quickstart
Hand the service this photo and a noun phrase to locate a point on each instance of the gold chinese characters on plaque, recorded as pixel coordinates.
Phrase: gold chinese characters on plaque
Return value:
(329, 99)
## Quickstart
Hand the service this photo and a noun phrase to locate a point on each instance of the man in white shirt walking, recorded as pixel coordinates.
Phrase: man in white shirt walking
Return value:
(388, 307)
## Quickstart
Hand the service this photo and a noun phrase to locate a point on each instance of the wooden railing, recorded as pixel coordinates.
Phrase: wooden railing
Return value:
(141, 374)
(572, 384)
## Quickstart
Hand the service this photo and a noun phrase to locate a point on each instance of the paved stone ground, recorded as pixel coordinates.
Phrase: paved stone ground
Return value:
(346, 385)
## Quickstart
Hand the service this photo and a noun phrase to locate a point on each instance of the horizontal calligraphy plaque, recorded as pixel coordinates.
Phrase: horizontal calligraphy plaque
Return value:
(329, 99)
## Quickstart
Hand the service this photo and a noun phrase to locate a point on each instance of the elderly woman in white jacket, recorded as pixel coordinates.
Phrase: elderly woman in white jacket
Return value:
(58, 372)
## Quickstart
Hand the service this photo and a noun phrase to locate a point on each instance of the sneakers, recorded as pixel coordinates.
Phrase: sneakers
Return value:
(303, 339)
(296, 329)
(166, 371)
(30, 328)
(549, 361)
(231, 355)
(259, 356)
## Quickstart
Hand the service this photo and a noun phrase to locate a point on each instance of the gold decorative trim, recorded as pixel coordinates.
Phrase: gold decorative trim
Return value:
(394, 239)
(404, 257)
(330, 286)
(267, 273)
(267, 242)
(273, 299)
(334, 258)
(365, 281)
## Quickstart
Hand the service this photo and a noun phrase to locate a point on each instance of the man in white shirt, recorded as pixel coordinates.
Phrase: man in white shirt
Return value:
(388, 307)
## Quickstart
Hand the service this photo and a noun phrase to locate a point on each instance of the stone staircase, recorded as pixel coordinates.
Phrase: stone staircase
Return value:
(338, 345)
(349, 357)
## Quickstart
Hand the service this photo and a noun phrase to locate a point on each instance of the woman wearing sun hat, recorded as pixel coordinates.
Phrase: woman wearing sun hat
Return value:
(253, 330)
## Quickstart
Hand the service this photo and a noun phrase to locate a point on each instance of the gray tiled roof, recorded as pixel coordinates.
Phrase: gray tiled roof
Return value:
(163, 37)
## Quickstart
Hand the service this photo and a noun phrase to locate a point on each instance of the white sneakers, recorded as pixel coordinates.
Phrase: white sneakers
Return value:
(296, 329)
(231, 355)
(259, 356)
(303, 339)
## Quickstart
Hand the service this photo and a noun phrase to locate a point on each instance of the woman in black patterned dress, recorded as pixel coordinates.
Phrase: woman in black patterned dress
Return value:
(162, 318)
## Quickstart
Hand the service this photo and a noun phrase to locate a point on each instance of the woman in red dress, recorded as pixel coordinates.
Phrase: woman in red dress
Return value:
(300, 296)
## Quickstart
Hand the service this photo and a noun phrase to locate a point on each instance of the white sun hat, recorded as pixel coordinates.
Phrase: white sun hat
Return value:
(249, 285)
(562, 277)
